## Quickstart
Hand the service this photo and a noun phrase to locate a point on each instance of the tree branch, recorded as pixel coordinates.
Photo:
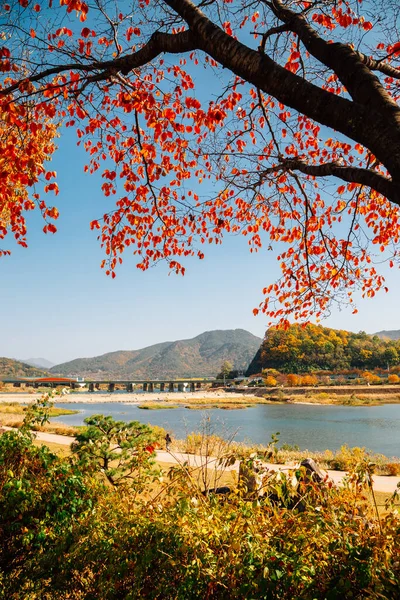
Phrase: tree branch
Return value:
(373, 180)
(157, 44)
(377, 65)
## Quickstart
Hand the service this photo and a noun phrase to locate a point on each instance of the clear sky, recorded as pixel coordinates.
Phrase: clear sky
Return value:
(58, 304)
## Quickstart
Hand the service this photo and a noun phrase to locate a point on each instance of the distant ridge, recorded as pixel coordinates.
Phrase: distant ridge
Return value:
(388, 334)
(42, 363)
(201, 356)
(10, 368)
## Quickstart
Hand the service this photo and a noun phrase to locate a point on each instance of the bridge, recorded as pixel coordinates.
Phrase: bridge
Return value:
(147, 385)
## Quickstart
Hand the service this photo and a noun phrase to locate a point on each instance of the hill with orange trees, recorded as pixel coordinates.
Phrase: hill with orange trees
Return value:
(300, 349)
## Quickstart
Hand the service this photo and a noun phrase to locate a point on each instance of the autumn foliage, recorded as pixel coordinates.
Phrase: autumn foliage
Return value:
(292, 143)
(26, 141)
(299, 349)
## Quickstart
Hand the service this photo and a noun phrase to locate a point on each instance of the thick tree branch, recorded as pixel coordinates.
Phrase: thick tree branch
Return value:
(373, 180)
(355, 74)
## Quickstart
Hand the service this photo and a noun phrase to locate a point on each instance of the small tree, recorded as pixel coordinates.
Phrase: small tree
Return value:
(123, 452)
(371, 378)
(226, 370)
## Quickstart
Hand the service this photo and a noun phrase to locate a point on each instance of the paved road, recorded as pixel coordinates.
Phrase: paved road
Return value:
(382, 483)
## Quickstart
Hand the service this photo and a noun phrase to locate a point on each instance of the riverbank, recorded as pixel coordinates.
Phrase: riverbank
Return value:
(346, 395)
(201, 397)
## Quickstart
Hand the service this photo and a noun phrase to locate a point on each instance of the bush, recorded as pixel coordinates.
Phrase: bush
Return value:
(270, 381)
(293, 380)
(347, 458)
(393, 469)
(308, 380)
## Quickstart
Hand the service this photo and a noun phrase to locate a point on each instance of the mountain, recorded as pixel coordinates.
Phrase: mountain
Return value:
(390, 334)
(10, 368)
(42, 363)
(201, 356)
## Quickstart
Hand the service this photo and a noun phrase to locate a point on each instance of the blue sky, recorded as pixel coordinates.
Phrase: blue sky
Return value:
(57, 303)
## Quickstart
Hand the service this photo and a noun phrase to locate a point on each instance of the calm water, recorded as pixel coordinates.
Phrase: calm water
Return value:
(377, 428)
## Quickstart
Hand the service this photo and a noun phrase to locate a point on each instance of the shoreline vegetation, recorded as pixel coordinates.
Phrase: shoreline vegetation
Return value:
(12, 414)
(108, 520)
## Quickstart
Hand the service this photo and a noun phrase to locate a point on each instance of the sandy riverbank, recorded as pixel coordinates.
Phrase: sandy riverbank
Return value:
(127, 397)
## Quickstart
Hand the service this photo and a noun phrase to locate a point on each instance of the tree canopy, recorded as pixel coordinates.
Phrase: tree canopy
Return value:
(293, 142)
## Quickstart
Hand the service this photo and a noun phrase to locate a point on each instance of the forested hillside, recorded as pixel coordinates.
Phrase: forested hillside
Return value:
(301, 349)
(13, 368)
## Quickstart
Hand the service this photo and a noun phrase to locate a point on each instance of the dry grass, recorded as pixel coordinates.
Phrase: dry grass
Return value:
(225, 402)
(12, 413)
(159, 406)
(59, 449)
(314, 397)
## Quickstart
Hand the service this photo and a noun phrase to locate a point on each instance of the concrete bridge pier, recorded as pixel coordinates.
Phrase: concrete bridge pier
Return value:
(16, 385)
(97, 386)
(145, 387)
(180, 387)
(91, 387)
(73, 386)
(192, 386)
(162, 387)
(150, 387)
(111, 387)
(198, 385)
(171, 386)
(129, 387)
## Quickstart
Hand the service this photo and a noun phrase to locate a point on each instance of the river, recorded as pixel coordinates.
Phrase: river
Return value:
(311, 427)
